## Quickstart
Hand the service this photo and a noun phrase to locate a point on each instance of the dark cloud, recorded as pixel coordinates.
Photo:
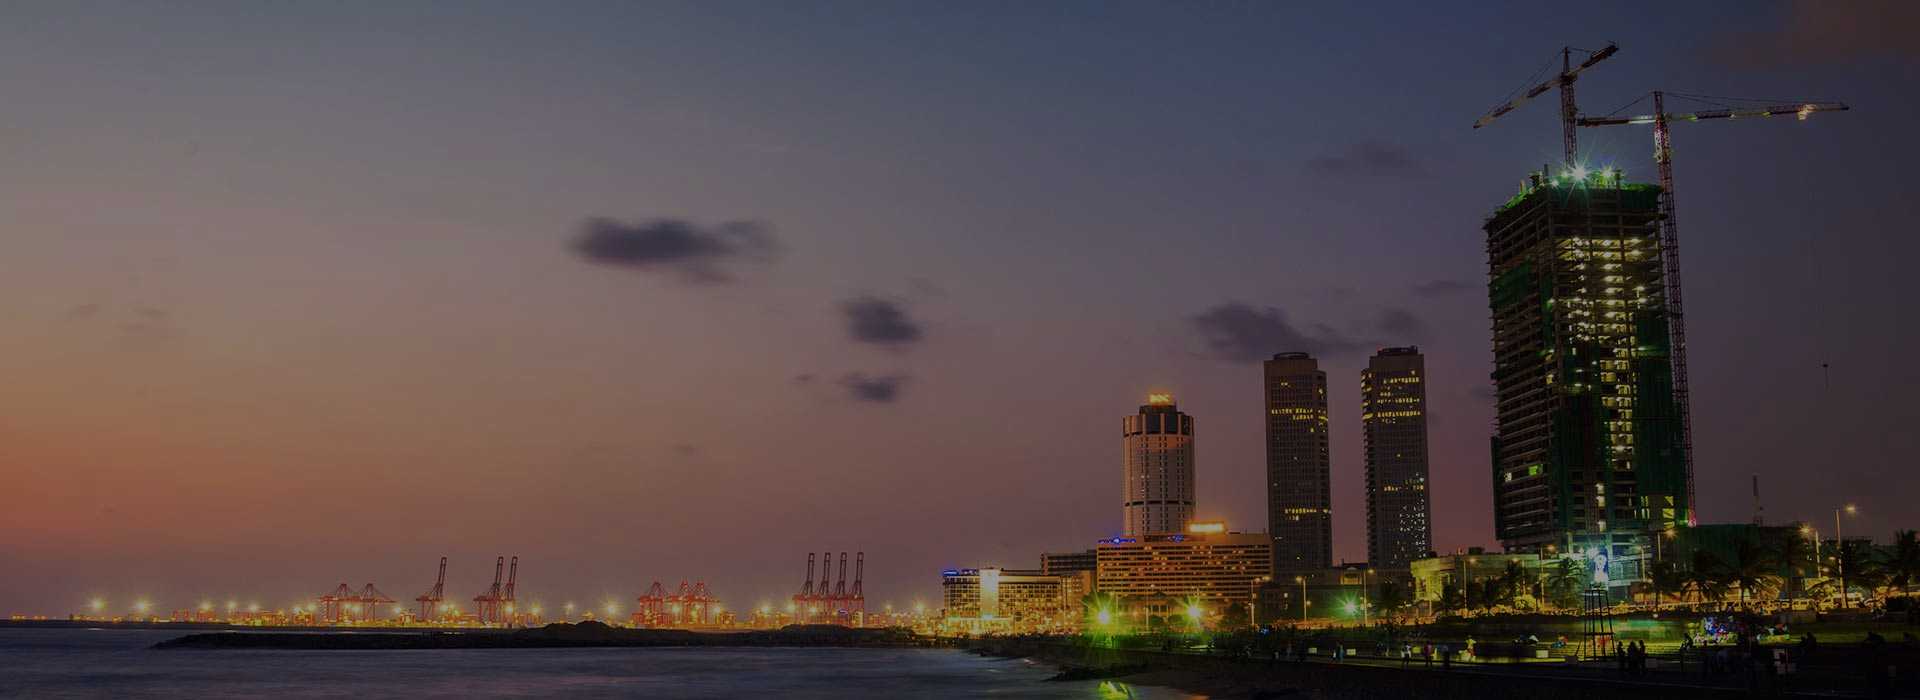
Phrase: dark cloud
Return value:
(1367, 158)
(879, 321)
(1238, 332)
(1826, 32)
(805, 378)
(884, 389)
(1482, 392)
(150, 313)
(1442, 287)
(671, 245)
(685, 449)
(1401, 326)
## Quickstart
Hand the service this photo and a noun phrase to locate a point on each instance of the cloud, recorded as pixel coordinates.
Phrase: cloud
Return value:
(1237, 332)
(685, 449)
(884, 389)
(1442, 287)
(1367, 158)
(1483, 392)
(1826, 32)
(805, 378)
(670, 245)
(881, 322)
(1401, 325)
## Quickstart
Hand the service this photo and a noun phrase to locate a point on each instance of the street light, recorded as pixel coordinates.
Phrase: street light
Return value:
(1839, 551)
(1366, 606)
(1302, 580)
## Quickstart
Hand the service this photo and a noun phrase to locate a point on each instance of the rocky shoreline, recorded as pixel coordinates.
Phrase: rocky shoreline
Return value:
(558, 635)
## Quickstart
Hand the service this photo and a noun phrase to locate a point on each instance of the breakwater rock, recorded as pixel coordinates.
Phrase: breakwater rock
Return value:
(584, 634)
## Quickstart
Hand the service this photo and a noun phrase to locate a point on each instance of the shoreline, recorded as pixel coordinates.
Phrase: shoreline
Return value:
(557, 635)
(1369, 679)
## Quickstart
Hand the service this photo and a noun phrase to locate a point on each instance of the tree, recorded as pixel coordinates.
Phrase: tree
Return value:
(1235, 616)
(1707, 578)
(1564, 583)
(1855, 567)
(1794, 553)
(1479, 596)
(1451, 600)
(1389, 600)
(1514, 582)
(1666, 580)
(1902, 564)
(1752, 567)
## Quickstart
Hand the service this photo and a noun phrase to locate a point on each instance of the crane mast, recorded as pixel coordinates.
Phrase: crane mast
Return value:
(1569, 112)
(1670, 233)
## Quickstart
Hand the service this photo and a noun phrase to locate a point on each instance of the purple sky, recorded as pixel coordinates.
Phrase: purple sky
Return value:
(297, 295)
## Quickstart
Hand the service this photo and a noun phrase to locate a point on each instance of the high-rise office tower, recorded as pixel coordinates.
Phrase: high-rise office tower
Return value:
(1393, 414)
(1299, 503)
(1587, 453)
(1159, 468)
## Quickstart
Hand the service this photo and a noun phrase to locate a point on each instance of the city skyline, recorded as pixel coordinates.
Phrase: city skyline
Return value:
(303, 295)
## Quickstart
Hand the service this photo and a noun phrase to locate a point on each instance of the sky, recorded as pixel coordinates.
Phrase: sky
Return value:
(296, 294)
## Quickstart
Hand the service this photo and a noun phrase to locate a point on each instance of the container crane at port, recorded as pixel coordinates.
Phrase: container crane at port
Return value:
(431, 600)
(489, 601)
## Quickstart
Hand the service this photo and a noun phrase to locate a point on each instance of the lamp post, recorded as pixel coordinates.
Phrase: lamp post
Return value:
(1302, 580)
(1366, 606)
(1839, 551)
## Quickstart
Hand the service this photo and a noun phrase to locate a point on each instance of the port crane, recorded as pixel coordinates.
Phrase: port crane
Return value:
(431, 600)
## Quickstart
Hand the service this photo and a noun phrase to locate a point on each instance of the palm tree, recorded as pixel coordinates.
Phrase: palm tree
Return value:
(1512, 583)
(1389, 599)
(1794, 552)
(1666, 580)
(1752, 567)
(1856, 567)
(1564, 582)
(1479, 596)
(1451, 600)
(1903, 561)
(1708, 576)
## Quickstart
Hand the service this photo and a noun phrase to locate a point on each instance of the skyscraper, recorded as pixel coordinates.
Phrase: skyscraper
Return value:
(1159, 468)
(1299, 502)
(1393, 414)
(1587, 451)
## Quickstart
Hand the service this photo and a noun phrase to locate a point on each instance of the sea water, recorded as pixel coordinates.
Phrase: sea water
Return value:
(106, 663)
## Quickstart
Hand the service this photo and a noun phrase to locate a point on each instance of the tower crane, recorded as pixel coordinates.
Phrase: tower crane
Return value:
(430, 601)
(1569, 114)
(1669, 228)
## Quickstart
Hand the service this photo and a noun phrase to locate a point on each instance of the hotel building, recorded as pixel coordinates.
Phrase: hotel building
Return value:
(1158, 446)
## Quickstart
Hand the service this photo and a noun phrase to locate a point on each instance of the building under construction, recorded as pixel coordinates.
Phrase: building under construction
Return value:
(1587, 454)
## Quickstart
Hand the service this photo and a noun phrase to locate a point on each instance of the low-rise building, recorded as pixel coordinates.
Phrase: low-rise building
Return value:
(1206, 567)
(1019, 600)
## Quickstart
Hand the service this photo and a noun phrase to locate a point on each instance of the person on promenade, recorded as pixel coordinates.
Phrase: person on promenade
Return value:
(1426, 652)
(1620, 657)
(1406, 653)
(1470, 645)
(1446, 657)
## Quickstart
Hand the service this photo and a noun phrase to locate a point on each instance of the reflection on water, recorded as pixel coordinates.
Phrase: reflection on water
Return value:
(57, 664)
